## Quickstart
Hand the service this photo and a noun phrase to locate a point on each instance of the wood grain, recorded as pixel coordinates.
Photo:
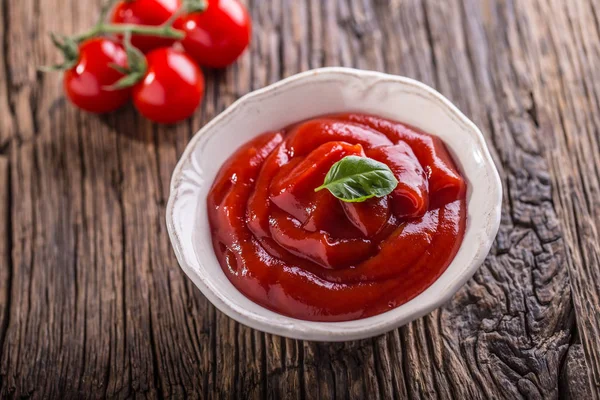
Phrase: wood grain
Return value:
(5, 245)
(93, 304)
(572, 383)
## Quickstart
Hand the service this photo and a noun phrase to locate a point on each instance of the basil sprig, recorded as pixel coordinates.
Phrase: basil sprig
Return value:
(355, 179)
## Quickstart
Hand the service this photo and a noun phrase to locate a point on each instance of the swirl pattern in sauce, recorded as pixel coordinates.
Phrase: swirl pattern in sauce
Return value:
(311, 256)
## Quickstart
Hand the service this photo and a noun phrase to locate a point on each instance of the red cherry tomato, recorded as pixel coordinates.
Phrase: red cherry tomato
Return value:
(86, 83)
(172, 88)
(146, 12)
(217, 36)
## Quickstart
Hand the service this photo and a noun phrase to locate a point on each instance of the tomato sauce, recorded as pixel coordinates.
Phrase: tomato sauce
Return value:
(308, 255)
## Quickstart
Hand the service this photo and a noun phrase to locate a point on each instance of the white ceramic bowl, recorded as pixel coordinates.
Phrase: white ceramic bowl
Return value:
(311, 94)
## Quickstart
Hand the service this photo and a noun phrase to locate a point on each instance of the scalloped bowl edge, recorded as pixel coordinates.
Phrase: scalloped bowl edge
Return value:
(486, 216)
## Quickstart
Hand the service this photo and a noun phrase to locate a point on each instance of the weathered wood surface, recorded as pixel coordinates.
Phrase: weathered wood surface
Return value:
(93, 304)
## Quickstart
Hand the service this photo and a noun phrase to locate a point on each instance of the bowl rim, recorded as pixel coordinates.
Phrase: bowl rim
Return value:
(335, 331)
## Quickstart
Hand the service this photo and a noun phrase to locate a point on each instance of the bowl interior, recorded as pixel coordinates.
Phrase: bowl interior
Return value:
(306, 96)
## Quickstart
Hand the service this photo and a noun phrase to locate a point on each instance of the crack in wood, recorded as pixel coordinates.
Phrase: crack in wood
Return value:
(154, 351)
(430, 41)
(4, 148)
(123, 231)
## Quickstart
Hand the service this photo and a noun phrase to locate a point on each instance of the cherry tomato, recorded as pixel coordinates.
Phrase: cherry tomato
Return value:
(172, 88)
(86, 83)
(217, 36)
(146, 12)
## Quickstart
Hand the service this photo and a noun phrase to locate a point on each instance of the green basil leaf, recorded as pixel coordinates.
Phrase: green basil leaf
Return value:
(355, 179)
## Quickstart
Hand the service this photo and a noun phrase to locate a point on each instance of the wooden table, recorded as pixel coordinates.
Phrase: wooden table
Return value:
(93, 303)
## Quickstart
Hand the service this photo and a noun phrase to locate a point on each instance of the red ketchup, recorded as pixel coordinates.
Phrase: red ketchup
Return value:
(308, 255)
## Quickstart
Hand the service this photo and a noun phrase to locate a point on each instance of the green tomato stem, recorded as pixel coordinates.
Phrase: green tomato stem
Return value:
(106, 7)
(165, 30)
(192, 6)
(69, 45)
(144, 30)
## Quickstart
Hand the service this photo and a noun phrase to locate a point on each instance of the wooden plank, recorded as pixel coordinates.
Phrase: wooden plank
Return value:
(5, 247)
(44, 349)
(99, 264)
(517, 308)
(566, 76)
